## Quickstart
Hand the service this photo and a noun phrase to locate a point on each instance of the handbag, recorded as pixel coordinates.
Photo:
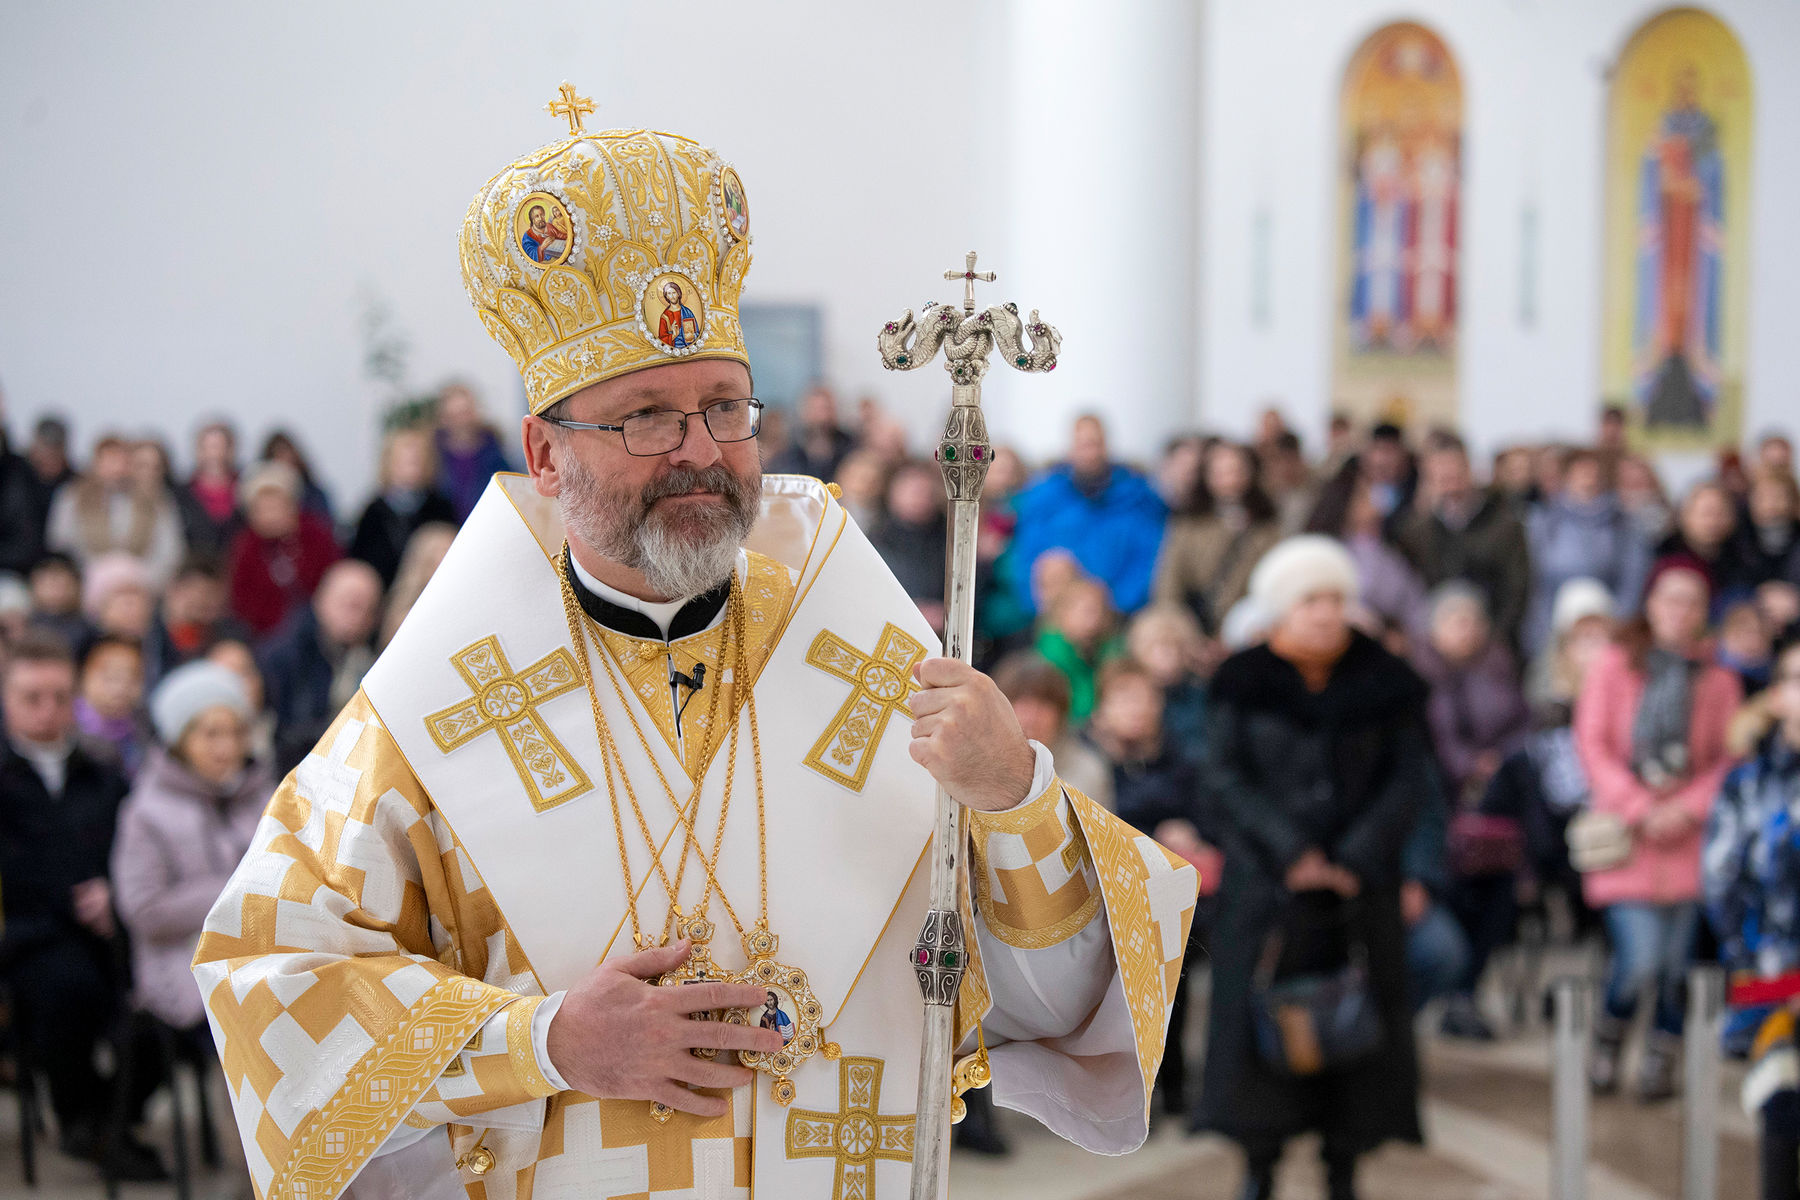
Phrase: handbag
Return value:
(1481, 844)
(1598, 841)
(1317, 1021)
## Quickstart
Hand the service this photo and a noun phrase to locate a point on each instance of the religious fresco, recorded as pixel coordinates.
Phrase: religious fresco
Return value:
(1400, 185)
(1677, 231)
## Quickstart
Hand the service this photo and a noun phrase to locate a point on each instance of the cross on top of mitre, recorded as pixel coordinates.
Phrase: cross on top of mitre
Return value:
(969, 275)
(570, 107)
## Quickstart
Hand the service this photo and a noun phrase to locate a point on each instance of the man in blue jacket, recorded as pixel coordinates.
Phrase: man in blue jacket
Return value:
(1104, 513)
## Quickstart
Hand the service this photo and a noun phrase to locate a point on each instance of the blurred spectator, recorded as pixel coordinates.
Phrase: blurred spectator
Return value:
(1318, 758)
(1476, 711)
(424, 552)
(1166, 641)
(911, 537)
(1775, 452)
(1581, 532)
(818, 442)
(1703, 530)
(55, 583)
(1581, 623)
(110, 511)
(1746, 645)
(1040, 698)
(1392, 475)
(117, 596)
(236, 656)
(1158, 790)
(1076, 635)
(15, 610)
(469, 449)
(22, 512)
(862, 478)
(1456, 532)
(408, 499)
(1650, 729)
(1215, 537)
(182, 831)
(1006, 475)
(1611, 444)
(208, 500)
(1437, 950)
(1178, 470)
(280, 447)
(1288, 480)
(59, 804)
(1751, 878)
(193, 616)
(1731, 474)
(1512, 479)
(315, 663)
(1340, 444)
(1766, 547)
(1391, 588)
(1642, 498)
(48, 454)
(1102, 512)
(109, 698)
(282, 551)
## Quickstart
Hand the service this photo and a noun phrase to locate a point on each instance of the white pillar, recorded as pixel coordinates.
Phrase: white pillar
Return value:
(1100, 156)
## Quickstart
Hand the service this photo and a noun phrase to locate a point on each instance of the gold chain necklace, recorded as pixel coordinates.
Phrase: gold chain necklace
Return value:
(799, 1020)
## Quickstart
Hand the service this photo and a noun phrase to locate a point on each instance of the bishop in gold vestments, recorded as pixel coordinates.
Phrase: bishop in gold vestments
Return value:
(545, 765)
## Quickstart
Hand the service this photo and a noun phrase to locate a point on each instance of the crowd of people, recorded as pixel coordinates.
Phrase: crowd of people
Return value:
(1388, 704)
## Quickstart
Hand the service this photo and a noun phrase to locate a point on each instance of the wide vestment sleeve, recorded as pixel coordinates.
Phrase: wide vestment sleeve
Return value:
(357, 975)
(1081, 925)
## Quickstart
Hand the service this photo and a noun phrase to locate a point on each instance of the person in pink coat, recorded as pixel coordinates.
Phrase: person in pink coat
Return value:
(1650, 730)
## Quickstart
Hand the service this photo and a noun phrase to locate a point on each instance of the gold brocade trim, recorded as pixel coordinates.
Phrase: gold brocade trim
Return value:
(506, 702)
(1133, 901)
(768, 590)
(521, 1051)
(880, 685)
(1032, 916)
(332, 1144)
(857, 1135)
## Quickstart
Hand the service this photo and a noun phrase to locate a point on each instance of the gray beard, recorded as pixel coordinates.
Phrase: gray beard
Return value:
(678, 554)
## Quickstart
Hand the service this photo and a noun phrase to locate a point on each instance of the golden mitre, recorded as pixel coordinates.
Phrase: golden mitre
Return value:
(606, 253)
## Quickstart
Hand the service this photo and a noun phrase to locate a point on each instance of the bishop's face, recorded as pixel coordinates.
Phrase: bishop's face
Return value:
(677, 517)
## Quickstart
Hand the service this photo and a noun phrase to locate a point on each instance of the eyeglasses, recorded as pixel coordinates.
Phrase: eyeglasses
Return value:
(648, 434)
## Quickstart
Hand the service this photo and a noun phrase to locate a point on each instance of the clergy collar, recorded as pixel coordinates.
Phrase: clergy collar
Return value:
(621, 612)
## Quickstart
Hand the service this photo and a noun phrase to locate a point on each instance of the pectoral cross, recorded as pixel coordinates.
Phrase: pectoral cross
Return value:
(571, 108)
(506, 702)
(855, 1137)
(969, 275)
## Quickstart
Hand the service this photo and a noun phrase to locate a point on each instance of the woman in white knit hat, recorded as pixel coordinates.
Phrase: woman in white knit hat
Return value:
(182, 831)
(1318, 761)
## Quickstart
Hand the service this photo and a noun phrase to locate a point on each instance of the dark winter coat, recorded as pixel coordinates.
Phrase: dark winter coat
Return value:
(47, 846)
(1490, 552)
(384, 530)
(1344, 770)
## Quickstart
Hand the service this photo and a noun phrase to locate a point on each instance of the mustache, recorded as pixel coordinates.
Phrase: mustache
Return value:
(681, 480)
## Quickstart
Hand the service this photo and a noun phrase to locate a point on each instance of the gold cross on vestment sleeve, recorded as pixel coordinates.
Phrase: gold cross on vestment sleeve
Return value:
(506, 702)
(855, 1137)
(571, 108)
(880, 685)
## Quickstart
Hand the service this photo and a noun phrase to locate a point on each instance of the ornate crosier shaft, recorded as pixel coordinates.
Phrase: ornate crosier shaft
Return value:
(964, 454)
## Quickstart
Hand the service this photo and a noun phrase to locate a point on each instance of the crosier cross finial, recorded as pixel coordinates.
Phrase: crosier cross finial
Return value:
(969, 275)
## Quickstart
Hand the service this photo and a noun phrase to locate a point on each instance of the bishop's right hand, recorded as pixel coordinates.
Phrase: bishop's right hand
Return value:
(619, 1036)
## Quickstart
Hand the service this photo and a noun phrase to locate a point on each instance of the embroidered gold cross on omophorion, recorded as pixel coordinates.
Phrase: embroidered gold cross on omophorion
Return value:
(856, 1136)
(880, 685)
(506, 703)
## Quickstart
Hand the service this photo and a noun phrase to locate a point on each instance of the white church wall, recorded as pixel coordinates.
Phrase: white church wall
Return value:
(194, 202)
(1534, 79)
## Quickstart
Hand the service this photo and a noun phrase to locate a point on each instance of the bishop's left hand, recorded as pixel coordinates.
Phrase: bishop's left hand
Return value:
(965, 734)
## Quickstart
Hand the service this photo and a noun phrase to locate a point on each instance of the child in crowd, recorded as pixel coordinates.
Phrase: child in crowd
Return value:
(110, 695)
(1751, 879)
(1040, 698)
(118, 597)
(1076, 635)
(1158, 791)
(55, 583)
(1746, 645)
(1167, 640)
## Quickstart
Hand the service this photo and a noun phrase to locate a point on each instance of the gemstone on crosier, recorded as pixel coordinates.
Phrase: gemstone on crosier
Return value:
(922, 956)
(950, 958)
(949, 452)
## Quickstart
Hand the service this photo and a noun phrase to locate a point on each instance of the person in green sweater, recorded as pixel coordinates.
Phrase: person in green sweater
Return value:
(1079, 631)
